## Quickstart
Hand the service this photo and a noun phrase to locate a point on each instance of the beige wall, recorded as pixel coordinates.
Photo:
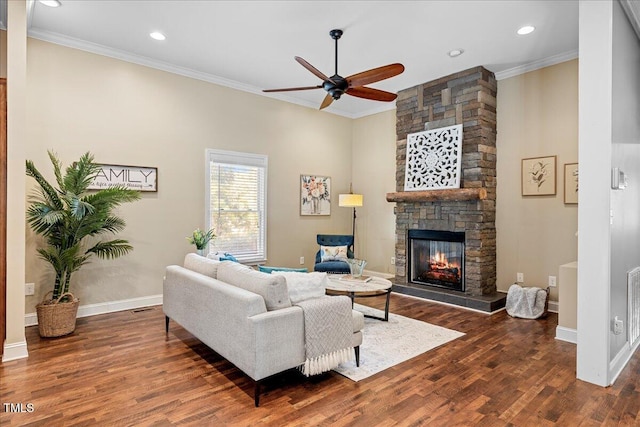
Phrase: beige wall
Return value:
(374, 174)
(133, 115)
(129, 114)
(537, 116)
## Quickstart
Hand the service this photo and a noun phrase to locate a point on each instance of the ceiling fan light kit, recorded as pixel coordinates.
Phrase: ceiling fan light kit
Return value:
(354, 85)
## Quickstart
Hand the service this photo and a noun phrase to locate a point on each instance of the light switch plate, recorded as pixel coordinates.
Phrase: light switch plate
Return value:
(29, 288)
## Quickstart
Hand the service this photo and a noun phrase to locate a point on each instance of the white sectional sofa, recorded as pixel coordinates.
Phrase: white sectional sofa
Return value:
(244, 315)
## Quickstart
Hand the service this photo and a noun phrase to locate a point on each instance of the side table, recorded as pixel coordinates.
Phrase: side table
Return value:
(355, 288)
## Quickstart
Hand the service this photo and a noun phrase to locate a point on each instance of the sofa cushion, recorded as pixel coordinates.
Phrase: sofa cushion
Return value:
(271, 287)
(333, 253)
(337, 267)
(202, 265)
(303, 286)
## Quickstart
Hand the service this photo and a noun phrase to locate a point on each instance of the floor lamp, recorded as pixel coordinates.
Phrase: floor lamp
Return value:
(351, 201)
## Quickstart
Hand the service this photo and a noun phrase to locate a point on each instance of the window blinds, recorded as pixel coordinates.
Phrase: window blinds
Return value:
(237, 204)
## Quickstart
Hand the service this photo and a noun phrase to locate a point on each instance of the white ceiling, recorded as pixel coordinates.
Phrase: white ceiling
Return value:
(250, 45)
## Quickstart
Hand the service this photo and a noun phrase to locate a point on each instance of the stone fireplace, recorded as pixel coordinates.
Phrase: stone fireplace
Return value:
(467, 98)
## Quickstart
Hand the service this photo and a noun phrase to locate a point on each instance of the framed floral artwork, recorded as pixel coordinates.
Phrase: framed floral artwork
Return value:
(315, 195)
(539, 176)
(571, 183)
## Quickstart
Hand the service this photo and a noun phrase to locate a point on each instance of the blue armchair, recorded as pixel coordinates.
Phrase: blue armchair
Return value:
(334, 266)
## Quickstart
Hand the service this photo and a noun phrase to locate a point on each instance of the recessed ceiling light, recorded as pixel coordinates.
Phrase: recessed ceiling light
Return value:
(157, 35)
(527, 29)
(455, 52)
(51, 3)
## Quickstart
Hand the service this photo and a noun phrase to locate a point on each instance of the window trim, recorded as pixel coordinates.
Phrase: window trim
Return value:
(245, 159)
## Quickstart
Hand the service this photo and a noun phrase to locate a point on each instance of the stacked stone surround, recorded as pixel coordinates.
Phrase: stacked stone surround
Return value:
(467, 98)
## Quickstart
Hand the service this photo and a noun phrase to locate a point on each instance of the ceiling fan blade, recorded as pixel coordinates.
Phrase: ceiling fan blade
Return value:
(326, 102)
(375, 75)
(289, 89)
(371, 93)
(311, 68)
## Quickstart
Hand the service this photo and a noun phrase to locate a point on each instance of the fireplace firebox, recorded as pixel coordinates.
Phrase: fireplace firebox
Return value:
(436, 258)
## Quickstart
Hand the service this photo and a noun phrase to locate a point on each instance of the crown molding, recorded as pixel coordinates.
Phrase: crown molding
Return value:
(221, 81)
(536, 65)
(381, 108)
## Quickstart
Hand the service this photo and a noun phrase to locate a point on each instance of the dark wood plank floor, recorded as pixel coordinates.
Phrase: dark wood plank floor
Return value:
(121, 369)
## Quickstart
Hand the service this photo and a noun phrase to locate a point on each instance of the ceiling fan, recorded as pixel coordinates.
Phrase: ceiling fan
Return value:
(353, 85)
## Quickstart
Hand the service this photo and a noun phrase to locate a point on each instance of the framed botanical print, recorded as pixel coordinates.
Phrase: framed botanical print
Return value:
(571, 183)
(539, 176)
(315, 195)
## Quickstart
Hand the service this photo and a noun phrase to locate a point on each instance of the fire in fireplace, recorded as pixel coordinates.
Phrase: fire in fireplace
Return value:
(436, 258)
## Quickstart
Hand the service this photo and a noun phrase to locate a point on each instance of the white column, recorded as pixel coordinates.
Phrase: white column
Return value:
(594, 233)
(15, 346)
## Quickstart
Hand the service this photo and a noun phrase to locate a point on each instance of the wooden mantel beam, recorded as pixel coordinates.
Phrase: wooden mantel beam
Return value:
(455, 194)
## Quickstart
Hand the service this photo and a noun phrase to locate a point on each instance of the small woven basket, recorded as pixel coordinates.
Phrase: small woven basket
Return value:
(56, 318)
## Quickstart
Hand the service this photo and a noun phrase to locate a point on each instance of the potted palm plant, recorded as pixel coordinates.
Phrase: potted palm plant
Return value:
(73, 221)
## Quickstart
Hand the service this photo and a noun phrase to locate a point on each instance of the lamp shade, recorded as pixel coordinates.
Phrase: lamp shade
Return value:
(350, 200)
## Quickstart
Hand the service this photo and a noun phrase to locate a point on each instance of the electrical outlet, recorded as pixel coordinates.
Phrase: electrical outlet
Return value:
(520, 277)
(29, 288)
(393, 260)
(301, 260)
(618, 326)
(552, 281)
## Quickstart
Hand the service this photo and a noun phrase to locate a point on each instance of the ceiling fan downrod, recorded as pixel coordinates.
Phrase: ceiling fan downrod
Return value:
(336, 34)
(336, 85)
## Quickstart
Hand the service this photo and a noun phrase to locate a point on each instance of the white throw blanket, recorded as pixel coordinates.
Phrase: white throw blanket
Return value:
(328, 331)
(527, 303)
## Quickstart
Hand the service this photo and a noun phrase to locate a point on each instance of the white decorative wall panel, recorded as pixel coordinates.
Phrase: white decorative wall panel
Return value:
(433, 159)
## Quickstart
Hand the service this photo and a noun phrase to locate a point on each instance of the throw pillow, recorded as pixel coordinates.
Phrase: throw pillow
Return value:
(303, 286)
(272, 288)
(222, 256)
(333, 253)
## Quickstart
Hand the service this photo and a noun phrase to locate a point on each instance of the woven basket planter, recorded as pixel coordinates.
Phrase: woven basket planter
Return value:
(56, 318)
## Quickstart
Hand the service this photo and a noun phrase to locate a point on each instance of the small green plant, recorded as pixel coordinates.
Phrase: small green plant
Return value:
(69, 216)
(201, 238)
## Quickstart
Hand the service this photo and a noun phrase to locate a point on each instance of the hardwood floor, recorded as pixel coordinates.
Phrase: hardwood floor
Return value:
(121, 369)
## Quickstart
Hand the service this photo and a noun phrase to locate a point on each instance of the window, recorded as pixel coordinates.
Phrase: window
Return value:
(236, 201)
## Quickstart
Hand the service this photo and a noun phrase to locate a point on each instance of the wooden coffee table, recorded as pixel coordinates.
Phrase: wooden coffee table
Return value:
(375, 287)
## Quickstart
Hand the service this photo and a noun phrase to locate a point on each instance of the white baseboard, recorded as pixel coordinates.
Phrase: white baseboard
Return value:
(621, 360)
(31, 319)
(553, 306)
(15, 351)
(567, 334)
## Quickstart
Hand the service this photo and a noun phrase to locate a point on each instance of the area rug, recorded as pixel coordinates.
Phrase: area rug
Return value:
(385, 344)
